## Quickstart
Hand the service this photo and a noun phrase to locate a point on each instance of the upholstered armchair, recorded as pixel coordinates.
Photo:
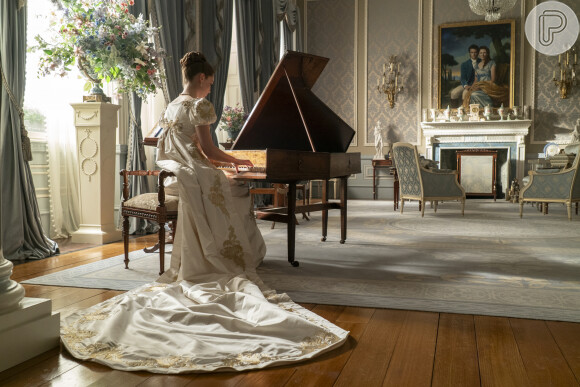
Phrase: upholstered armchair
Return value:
(419, 183)
(556, 187)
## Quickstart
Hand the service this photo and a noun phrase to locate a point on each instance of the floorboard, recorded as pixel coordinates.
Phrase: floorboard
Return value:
(544, 362)
(500, 363)
(456, 352)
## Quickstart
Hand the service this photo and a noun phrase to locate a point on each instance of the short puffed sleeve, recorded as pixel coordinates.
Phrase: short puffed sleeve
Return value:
(202, 113)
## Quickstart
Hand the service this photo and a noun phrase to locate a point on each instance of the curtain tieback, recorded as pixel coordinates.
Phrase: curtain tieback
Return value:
(26, 147)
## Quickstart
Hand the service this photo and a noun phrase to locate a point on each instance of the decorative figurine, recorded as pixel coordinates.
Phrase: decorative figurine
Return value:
(487, 112)
(516, 112)
(501, 111)
(379, 142)
(514, 192)
(461, 113)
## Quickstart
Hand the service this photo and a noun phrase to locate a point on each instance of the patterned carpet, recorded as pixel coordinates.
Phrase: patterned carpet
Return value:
(489, 262)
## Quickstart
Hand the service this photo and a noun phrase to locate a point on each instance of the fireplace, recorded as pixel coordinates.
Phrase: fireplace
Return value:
(444, 139)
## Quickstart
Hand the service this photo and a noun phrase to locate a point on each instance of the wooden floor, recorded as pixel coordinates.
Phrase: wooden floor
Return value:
(385, 347)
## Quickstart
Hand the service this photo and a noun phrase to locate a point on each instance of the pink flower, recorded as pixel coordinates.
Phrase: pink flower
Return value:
(150, 71)
(138, 67)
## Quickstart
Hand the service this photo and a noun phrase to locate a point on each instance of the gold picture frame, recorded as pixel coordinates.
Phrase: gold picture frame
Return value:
(454, 42)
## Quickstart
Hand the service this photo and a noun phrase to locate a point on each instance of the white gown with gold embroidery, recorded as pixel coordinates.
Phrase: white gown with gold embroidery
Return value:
(209, 311)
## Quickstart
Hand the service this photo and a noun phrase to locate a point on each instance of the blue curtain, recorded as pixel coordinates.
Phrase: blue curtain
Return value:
(170, 15)
(258, 51)
(216, 35)
(21, 234)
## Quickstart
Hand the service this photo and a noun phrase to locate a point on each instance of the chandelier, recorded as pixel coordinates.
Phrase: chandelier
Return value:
(491, 8)
(390, 80)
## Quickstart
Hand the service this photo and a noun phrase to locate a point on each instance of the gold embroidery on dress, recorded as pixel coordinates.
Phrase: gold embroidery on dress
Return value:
(188, 104)
(321, 340)
(216, 195)
(248, 358)
(232, 249)
(172, 125)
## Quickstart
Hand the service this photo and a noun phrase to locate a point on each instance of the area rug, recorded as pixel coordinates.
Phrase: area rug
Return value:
(488, 262)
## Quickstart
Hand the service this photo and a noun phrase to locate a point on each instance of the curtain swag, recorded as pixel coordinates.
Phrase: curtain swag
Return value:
(286, 10)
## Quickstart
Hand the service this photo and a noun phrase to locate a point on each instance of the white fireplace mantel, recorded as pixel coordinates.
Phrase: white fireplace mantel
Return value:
(480, 133)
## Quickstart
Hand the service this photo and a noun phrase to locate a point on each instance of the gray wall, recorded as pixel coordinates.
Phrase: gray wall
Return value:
(359, 35)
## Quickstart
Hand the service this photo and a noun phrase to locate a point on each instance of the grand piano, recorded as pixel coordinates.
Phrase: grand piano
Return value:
(291, 136)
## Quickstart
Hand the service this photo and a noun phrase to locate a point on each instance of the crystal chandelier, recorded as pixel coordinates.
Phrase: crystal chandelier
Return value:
(491, 8)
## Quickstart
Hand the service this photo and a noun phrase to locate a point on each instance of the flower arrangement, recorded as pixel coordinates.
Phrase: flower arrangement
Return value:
(233, 119)
(105, 41)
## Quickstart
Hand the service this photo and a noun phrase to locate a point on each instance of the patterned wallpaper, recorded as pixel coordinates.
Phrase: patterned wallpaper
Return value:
(330, 33)
(554, 118)
(393, 30)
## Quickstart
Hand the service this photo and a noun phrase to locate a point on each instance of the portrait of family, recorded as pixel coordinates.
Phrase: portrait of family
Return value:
(476, 62)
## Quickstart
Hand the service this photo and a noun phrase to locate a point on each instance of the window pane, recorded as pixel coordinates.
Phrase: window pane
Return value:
(49, 97)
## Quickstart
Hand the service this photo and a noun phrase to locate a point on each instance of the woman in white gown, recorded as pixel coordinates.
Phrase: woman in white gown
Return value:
(209, 311)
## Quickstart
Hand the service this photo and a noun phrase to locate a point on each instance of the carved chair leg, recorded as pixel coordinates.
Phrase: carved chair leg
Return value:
(126, 240)
(161, 248)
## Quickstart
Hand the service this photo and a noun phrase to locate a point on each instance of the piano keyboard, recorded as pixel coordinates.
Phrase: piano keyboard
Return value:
(241, 168)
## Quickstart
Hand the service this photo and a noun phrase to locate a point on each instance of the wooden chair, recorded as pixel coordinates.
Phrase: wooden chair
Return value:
(156, 206)
(279, 196)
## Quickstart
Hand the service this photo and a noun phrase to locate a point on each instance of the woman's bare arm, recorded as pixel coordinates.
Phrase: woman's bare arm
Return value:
(212, 152)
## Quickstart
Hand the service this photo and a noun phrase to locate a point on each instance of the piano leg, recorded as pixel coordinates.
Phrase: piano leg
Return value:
(292, 223)
(343, 201)
(325, 211)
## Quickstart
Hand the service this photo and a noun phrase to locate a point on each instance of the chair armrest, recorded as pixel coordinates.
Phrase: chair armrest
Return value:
(125, 173)
(163, 174)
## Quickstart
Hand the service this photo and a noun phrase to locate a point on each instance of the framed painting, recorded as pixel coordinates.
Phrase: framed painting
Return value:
(476, 64)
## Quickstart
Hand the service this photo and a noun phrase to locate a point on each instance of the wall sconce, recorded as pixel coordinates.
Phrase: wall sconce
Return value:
(390, 84)
(567, 68)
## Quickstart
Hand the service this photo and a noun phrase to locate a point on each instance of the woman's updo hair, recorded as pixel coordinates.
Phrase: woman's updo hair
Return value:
(194, 63)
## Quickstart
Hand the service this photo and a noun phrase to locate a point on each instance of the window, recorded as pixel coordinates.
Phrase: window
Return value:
(46, 99)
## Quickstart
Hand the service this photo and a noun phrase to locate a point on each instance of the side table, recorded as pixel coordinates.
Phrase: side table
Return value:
(379, 163)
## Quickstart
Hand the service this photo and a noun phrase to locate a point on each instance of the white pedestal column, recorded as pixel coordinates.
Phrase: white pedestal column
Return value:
(96, 124)
(27, 325)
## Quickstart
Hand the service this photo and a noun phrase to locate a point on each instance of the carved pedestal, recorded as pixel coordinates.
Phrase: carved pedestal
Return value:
(96, 124)
(27, 325)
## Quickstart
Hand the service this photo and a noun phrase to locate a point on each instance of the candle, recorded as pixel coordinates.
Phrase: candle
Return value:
(384, 67)
(554, 76)
(575, 58)
(559, 58)
(378, 82)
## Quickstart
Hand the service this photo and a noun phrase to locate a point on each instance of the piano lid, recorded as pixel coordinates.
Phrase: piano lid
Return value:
(288, 115)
